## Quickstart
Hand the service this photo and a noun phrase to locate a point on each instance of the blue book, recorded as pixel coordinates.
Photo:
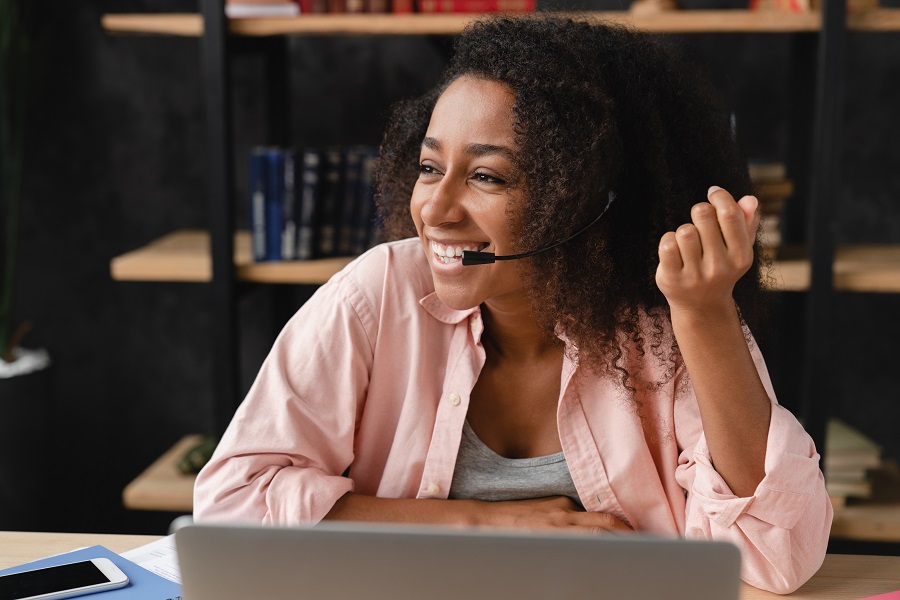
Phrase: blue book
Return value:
(256, 188)
(142, 584)
(274, 174)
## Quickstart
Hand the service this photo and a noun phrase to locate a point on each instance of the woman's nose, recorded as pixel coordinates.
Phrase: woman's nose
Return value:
(442, 202)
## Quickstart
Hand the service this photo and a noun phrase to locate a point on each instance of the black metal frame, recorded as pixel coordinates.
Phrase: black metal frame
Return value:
(217, 88)
(825, 185)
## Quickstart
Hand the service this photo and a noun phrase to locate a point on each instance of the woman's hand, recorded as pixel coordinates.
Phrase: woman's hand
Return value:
(555, 512)
(701, 261)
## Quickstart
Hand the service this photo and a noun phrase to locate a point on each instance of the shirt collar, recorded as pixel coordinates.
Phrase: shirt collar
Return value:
(443, 313)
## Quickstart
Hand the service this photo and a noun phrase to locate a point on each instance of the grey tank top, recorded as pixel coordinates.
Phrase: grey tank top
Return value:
(482, 474)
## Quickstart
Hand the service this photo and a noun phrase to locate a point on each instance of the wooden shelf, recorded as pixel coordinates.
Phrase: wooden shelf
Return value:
(878, 19)
(693, 21)
(162, 486)
(184, 256)
(857, 268)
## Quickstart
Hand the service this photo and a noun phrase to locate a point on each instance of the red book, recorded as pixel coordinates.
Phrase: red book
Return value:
(476, 6)
(401, 7)
(313, 6)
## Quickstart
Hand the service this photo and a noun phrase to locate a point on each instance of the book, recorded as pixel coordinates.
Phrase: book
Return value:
(846, 447)
(475, 6)
(329, 202)
(142, 585)
(350, 190)
(310, 166)
(249, 9)
(256, 188)
(313, 6)
(274, 197)
(859, 489)
(849, 456)
(760, 170)
(363, 228)
(288, 206)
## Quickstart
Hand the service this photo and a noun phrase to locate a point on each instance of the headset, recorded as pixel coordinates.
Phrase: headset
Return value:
(471, 257)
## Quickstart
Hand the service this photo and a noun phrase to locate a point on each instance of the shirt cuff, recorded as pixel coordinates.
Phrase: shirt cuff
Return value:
(792, 478)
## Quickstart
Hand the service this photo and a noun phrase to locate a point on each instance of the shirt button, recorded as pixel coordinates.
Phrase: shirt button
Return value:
(433, 488)
(455, 399)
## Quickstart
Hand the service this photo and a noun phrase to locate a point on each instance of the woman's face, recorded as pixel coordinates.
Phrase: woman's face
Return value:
(464, 187)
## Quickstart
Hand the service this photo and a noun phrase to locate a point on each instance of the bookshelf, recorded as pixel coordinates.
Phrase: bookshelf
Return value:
(449, 24)
(221, 258)
(693, 21)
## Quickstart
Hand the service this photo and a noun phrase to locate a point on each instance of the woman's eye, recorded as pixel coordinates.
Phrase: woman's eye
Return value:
(485, 178)
(426, 169)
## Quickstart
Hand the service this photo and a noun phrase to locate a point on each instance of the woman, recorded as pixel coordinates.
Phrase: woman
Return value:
(606, 383)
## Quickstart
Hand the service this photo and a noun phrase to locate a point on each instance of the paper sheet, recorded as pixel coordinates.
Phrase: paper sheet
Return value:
(158, 557)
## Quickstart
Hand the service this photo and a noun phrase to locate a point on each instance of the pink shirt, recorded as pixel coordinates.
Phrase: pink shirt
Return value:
(373, 374)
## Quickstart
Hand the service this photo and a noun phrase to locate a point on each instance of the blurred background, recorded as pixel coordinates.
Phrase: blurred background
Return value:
(115, 157)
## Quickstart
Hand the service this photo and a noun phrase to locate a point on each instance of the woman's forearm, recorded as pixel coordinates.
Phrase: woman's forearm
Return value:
(734, 406)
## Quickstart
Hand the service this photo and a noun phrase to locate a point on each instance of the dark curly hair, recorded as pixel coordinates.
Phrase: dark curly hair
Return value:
(598, 108)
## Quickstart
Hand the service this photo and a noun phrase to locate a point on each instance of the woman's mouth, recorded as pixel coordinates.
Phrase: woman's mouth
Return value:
(450, 253)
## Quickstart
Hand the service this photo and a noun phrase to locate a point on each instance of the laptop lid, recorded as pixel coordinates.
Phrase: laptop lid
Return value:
(335, 561)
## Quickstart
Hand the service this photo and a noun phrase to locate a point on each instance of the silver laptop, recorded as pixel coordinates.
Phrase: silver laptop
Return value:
(333, 561)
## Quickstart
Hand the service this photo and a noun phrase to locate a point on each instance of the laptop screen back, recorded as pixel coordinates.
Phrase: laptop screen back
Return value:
(343, 561)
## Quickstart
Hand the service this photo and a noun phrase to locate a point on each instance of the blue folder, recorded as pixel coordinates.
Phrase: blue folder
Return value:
(142, 584)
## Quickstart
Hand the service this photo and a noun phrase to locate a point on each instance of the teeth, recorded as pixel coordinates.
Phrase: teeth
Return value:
(449, 254)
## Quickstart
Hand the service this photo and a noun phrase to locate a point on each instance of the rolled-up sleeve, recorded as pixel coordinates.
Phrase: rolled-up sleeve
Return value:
(782, 529)
(282, 458)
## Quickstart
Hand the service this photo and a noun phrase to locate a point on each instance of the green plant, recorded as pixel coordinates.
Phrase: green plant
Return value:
(15, 49)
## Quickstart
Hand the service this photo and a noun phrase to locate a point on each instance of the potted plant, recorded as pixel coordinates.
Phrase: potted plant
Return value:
(25, 390)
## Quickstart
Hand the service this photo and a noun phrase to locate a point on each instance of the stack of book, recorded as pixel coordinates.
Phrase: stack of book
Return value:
(239, 9)
(315, 203)
(772, 188)
(850, 457)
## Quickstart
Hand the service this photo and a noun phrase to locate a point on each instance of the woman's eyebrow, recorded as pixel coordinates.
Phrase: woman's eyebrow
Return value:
(431, 143)
(471, 149)
(484, 149)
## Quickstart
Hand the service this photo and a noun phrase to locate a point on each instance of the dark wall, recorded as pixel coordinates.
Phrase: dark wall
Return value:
(115, 158)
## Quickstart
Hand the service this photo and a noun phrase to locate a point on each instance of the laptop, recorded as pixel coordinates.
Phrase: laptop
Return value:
(338, 561)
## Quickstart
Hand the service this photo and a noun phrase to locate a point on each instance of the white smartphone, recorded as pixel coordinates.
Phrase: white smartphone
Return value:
(62, 581)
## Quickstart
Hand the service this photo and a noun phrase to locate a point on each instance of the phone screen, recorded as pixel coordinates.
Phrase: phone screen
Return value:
(49, 580)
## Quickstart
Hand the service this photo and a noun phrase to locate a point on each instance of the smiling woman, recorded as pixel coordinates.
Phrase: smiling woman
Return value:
(464, 190)
(605, 383)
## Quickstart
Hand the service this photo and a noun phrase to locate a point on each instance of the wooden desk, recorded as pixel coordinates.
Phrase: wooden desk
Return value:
(842, 577)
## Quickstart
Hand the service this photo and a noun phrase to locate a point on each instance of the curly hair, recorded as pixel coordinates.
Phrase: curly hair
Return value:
(597, 108)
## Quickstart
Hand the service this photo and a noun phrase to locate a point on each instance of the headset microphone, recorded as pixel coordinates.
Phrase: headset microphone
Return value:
(471, 257)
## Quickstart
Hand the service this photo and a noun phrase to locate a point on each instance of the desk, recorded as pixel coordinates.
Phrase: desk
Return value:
(842, 577)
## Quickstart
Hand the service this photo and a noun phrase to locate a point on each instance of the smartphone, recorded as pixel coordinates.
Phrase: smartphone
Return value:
(62, 581)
